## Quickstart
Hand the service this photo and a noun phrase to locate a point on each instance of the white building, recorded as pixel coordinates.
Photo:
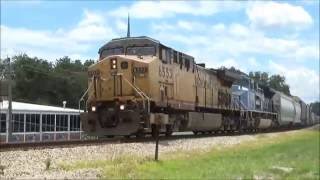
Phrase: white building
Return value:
(33, 122)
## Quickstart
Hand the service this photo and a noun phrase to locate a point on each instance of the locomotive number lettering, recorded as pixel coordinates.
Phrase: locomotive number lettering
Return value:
(165, 72)
(140, 70)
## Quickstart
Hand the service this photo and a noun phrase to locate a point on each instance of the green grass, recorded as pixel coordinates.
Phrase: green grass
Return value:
(299, 151)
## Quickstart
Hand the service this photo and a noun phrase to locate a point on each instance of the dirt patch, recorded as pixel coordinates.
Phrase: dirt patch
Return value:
(282, 169)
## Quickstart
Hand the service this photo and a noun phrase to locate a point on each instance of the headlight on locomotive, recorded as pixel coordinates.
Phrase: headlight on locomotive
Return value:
(113, 63)
(93, 109)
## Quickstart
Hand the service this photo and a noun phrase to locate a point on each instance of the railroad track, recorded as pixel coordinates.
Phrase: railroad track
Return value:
(72, 143)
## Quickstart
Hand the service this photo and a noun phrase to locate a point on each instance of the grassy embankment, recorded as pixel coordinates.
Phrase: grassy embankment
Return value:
(290, 156)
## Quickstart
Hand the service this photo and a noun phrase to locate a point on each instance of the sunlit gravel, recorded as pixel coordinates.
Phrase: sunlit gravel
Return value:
(30, 164)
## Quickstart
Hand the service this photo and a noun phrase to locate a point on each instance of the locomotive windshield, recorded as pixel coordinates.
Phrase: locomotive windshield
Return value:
(112, 51)
(133, 50)
(142, 51)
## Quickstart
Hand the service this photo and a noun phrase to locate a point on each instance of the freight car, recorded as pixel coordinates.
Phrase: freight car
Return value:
(139, 83)
(287, 108)
(304, 111)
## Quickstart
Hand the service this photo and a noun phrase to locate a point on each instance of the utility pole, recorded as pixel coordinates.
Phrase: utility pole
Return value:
(9, 114)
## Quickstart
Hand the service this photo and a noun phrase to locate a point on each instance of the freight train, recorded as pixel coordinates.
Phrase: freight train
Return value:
(140, 86)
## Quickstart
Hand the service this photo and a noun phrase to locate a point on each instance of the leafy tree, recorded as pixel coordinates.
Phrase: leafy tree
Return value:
(261, 77)
(39, 81)
(232, 69)
(32, 78)
(74, 82)
(3, 68)
(88, 63)
(63, 63)
(276, 81)
(3, 76)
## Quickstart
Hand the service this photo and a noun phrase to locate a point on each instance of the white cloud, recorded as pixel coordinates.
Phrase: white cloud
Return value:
(162, 26)
(243, 46)
(228, 63)
(91, 31)
(121, 25)
(218, 28)
(274, 14)
(190, 25)
(235, 40)
(253, 62)
(239, 30)
(181, 25)
(247, 48)
(91, 28)
(163, 9)
(91, 18)
(303, 82)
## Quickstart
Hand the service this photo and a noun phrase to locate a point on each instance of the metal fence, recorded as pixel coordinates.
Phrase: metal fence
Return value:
(41, 126)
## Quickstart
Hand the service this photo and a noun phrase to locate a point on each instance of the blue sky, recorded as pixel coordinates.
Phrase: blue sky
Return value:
(279, 37)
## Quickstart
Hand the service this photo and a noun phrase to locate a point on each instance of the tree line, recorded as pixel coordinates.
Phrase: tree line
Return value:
(278, 83)
(40, 81)
(43, 82)
(275, 81)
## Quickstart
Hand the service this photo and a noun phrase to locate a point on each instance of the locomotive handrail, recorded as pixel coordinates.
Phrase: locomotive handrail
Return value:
(147, 97)
(242, 105)
(84, 94)
(236, 101)
(139, 91)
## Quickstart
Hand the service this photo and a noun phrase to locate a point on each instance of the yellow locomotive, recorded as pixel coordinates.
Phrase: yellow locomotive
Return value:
(139, 82)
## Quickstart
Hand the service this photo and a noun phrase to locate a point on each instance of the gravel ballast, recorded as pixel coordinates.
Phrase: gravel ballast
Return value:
(31, 164)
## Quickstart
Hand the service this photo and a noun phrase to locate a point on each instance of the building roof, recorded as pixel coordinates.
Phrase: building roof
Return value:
(20, 106)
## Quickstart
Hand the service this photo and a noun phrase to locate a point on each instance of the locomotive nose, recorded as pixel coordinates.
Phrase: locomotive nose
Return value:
(108, 119)
(120, 72)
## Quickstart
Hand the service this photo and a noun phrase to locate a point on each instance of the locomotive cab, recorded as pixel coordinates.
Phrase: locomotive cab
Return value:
(118, 88)
(115, 100)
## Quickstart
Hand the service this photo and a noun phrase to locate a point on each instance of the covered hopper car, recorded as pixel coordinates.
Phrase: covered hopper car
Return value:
(287, 108)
